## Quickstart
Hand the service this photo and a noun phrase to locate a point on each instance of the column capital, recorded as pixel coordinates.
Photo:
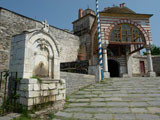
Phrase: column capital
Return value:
(148, 47)
(148, 51)
(105, 43)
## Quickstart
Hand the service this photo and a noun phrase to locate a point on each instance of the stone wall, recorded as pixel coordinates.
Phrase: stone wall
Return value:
(156, 64)
(75, 81)
(136, 65)
(12, 23)
(33, 92)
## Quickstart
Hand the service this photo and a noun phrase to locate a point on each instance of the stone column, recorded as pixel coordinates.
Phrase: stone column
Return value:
(150, 64)
(129, 62)
(105, 63)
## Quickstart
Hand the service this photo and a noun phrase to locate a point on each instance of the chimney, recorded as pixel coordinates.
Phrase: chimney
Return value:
(80, 13)
(122, 5)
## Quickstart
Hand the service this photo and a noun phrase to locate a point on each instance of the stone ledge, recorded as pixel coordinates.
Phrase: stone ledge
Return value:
(151, 74)
(29, 81)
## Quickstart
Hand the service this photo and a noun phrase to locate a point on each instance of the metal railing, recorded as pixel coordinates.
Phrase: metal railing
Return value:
(8, 89)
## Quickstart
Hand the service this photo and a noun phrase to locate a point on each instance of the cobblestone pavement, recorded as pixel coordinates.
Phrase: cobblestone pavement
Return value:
(115, 99)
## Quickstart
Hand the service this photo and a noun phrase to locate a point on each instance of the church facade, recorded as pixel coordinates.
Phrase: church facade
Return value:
(124, 33)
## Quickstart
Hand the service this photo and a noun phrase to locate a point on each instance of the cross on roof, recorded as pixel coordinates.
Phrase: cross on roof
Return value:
(45, 23)
(45, 26)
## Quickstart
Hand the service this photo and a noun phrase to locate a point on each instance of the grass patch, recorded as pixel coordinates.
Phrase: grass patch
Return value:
(51, 116)
(23, 117)
(67, 98)
(83, 88)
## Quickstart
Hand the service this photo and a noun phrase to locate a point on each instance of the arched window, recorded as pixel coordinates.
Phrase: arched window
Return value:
(126, 33)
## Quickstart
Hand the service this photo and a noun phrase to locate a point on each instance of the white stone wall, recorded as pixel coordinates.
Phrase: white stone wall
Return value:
(33, 92)
(17, 54)
(23, 54)
(136, 65)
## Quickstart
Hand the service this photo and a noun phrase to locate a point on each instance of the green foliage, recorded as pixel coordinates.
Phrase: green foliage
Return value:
(39, 80)
(9, 105)
(18, 80)
(24, 113)
(67, 98)
(22, 117)
(6, 74)
(51, 116)
(155, 50)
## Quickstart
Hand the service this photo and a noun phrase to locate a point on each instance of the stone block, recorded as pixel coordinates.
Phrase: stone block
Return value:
(104, 116)
(151, 74)
(32, 94)
(44, 87)
(37, 100)
(36, 87)
(60, 86)
(52, 98)
(29, 81)
(30, 102)
(27, 75)
(64, 114)
(54, 92)
(45, 93)
(23, 101)
(52, 86)
(45, 99)
(62, 91)
(83, 116)
(26, 87)
(106, 75)
(60, 97)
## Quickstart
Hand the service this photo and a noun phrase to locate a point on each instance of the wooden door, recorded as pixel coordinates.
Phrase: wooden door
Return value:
(142, 67)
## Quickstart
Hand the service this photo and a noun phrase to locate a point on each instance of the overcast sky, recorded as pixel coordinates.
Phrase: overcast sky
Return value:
(61, 13)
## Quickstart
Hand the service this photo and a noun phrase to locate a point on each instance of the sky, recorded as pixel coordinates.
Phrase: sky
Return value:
(61, 13)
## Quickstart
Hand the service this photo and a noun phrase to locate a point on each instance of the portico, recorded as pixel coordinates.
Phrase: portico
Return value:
(122, 39)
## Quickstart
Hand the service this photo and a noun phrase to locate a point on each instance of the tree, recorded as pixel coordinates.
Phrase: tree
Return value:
(155, 50)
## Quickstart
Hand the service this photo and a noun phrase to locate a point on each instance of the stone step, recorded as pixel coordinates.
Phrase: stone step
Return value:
(115, 98)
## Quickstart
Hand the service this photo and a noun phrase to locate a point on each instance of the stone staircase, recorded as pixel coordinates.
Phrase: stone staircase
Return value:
(115, 99)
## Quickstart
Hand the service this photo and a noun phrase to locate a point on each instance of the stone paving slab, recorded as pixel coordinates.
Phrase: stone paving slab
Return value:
(10, 116)
(115, 99)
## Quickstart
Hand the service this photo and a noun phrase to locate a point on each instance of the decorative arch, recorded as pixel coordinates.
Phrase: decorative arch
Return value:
(45, 52)
(39, 35)
(125, 21)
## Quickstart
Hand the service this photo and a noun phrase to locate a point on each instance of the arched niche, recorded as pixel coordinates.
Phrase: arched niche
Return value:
(43, 55)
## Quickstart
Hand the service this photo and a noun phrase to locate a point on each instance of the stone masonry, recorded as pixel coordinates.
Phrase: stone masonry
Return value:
(12, 24)
(75, 81)
(35, 54)
(33, 92)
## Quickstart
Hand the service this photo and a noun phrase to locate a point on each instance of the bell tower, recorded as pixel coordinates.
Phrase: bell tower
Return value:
(82, 27)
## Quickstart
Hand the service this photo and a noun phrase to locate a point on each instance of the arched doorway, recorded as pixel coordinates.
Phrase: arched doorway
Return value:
(113, 68)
